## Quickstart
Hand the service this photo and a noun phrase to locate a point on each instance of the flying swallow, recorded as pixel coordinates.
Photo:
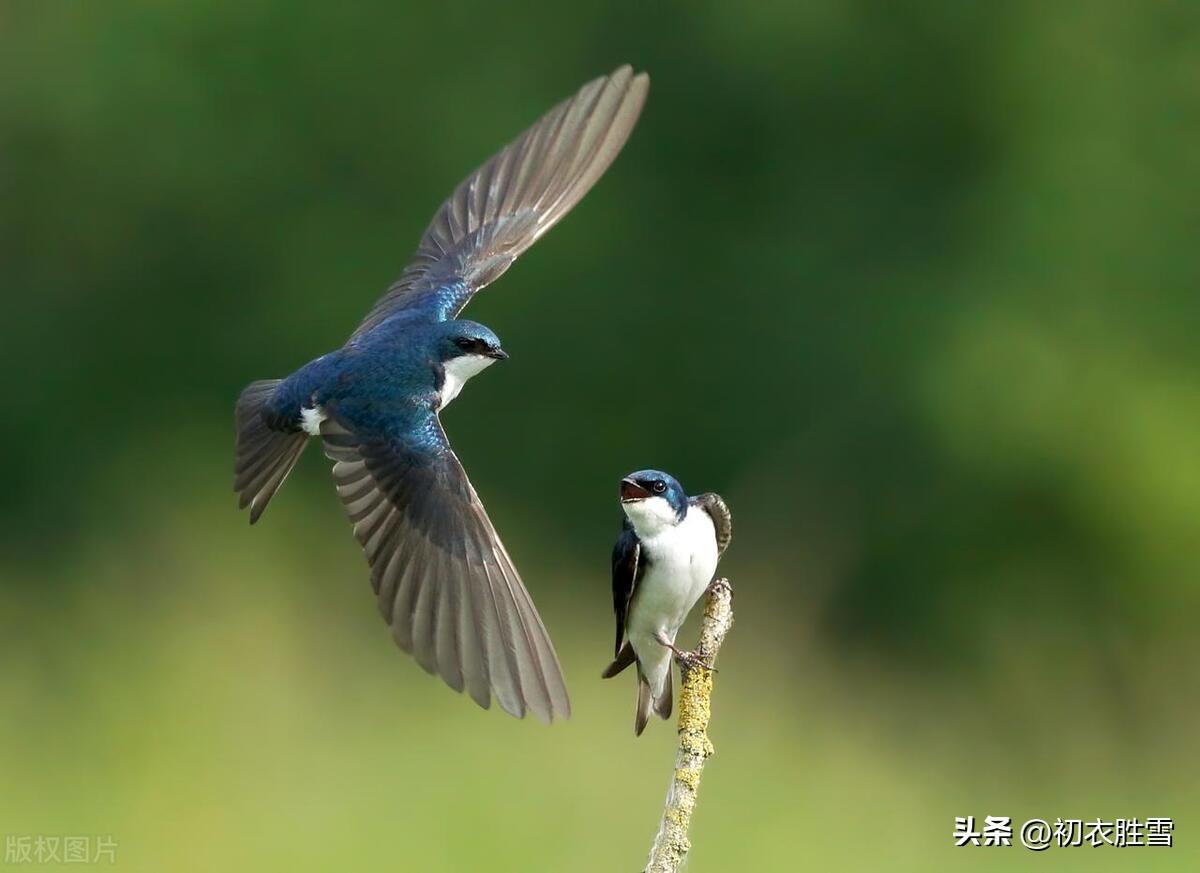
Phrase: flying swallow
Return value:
(442, 578)
(663, 561)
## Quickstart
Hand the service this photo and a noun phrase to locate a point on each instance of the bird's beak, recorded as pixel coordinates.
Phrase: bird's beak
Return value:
(631, 490)
(498, 354)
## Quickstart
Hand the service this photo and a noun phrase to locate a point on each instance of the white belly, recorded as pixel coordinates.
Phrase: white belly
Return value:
(682, 561)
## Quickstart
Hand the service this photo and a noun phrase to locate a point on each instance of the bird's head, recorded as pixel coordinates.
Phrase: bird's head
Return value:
(464, 349)
(652, 500)
(469, 339)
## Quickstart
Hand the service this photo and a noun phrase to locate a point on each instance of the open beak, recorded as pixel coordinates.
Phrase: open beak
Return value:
(631, 490)
(498, 354)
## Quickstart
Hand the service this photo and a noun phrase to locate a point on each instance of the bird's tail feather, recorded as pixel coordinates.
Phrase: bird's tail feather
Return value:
(264, 456)
(647, 702)
(624, 658)
(665, 701)
(644, 702)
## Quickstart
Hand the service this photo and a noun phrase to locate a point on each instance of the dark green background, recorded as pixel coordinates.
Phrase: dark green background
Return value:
(914, 286)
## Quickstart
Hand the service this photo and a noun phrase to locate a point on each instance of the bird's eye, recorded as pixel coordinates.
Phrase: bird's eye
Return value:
(659, 487)
(465, 343)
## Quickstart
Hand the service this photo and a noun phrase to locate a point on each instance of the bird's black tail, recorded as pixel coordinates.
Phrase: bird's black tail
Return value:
(264, 456)
(625, 657)
(646, 702)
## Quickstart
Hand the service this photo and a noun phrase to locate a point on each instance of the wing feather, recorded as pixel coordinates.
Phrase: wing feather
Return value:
(721, 517)
(443, 580)
(506, 205)
(626, 571)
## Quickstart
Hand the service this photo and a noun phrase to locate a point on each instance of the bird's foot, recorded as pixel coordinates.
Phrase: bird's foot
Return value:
(718, 585)
(690, 660)
(693, 661)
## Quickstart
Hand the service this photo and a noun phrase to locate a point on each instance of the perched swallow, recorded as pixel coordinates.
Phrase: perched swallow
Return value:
(663, 561)
(443, 580)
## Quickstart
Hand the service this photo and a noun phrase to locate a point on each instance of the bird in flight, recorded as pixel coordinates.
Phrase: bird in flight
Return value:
(443, 580)
(663, 561)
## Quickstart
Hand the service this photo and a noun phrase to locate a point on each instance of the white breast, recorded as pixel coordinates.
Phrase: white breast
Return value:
(682, 560)
(457, 371)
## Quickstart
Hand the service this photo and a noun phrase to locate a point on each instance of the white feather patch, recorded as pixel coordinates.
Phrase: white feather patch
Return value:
(458, 371)
(310, 420)
(650, 515)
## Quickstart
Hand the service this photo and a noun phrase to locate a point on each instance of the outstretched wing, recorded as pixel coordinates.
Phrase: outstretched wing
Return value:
(626, 571)
(508, 203)
(442, 577)
(721, 518)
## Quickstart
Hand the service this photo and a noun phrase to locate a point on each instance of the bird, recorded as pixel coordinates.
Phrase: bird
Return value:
(442, 578)
(663, 560)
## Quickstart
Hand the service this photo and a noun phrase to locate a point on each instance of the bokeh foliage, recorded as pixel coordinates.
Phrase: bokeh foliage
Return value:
(913, 285)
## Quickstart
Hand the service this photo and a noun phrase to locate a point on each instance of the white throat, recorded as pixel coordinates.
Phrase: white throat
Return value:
(457, 371)
(650, 516)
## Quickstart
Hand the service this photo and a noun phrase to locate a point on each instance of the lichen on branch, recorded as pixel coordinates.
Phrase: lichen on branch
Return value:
(671, 845)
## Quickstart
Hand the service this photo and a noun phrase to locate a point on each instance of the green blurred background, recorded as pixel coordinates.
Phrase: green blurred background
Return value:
(913, 285)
